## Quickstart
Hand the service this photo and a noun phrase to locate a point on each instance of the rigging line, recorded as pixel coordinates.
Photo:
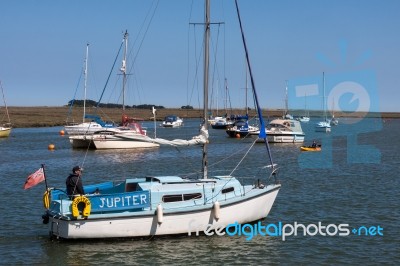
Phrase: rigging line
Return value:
(109, 75)
(145, 33)
(231, 177)
(215, 68)
(197, 63)
(262, 125)
(188, 56)
(73, 99)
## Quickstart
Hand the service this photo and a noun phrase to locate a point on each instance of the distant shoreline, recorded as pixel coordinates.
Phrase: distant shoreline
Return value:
(57, 116)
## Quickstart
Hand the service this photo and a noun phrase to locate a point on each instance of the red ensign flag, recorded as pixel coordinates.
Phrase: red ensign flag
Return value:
(34, 179)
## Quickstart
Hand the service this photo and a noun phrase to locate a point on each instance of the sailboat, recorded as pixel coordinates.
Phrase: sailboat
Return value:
(334, 120)
(164, 205)
(223, 122)
(5, 129)
(306, 117)
(80, 135)
(241, 127)
(287, 115)
(130, 134)
(325, 125)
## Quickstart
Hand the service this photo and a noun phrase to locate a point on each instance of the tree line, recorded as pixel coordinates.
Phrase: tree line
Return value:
(91, 103)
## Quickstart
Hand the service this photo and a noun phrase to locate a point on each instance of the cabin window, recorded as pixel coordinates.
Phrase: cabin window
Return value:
(181, 197)
(227, 190)
(191, 196)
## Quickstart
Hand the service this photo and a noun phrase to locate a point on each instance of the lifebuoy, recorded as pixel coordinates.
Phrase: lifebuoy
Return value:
(86, 209)
(46, 198)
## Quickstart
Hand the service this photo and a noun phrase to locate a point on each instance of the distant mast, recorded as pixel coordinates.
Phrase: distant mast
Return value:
(85, 82)
(123, 70)
(205, 78)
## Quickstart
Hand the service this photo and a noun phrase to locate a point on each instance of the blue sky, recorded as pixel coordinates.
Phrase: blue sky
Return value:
(42, 50)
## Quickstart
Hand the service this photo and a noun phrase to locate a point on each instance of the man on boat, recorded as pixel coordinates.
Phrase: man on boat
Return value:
(314, 144)
(74, 182)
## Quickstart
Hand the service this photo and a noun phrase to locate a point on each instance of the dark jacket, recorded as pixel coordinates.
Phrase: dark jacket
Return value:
(74, 184)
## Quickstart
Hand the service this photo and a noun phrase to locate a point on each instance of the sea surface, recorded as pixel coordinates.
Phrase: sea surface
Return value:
(353, 182)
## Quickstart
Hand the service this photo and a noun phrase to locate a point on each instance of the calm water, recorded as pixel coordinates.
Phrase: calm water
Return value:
(355, 181)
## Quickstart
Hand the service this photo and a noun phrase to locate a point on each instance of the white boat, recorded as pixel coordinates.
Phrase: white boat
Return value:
(334, 120)
(172, 121)
(129, 136)
(5, 128)
(306, 117)
(287, 115)
(325, 125)
(78, 133)
(284, 131)
(222, 123)
(163, 205)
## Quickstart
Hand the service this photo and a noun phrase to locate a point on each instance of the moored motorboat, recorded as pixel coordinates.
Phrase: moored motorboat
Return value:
(284, 131)
(172, 121)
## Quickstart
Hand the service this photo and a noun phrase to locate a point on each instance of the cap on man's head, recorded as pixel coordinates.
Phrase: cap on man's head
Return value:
(77, 168)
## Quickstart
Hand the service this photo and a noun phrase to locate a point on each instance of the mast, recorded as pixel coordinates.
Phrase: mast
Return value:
(245, 89)
(323, 89)
(123, 70)
(205, 80)
(286, 99)
(85, 82)
(5, 104)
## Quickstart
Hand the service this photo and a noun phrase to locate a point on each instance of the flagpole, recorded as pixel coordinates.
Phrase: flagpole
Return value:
(44, 174)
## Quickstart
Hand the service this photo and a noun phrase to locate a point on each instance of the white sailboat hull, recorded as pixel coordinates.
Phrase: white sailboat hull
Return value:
(323, 127)
(254, 206)
(122, 144)
(123, 141)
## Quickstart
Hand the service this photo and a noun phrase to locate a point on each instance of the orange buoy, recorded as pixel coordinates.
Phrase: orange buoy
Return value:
(51, 147)
(238, 135)
(62, 132)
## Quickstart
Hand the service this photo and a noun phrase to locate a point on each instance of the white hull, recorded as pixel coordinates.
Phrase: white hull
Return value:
(178, 124)
(86, 128)
(323, 129)
(122, 144)
(173, 223)
(285, 138)
(304, 119)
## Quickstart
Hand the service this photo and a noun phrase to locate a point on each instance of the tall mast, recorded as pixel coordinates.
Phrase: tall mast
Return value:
(286, 99)
(205, 78)
(123, 70)
(246, 87)
(5, 104)
(323, 101)
(85, 82)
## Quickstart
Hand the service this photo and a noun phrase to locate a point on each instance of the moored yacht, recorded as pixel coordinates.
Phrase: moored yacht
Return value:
(284, 131)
